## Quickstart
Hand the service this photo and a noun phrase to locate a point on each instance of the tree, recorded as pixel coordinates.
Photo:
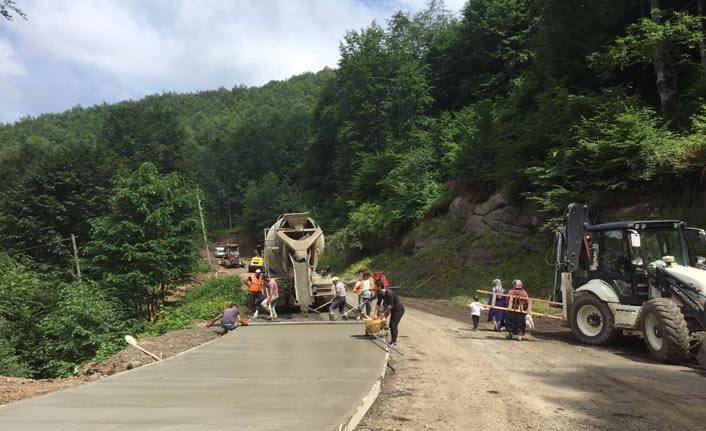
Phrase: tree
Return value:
(665, 43)
(145, 131)
(148, 242)
(23, 302)
(7, 7)
(84, 323)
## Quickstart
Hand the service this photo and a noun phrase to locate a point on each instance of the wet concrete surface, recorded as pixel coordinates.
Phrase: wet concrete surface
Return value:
(264, 377)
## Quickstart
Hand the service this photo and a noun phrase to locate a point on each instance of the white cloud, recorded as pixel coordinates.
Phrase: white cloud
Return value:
(10, 64)
(105, 50)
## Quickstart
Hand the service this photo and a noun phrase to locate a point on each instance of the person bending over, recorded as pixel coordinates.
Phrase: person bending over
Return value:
(393, 308)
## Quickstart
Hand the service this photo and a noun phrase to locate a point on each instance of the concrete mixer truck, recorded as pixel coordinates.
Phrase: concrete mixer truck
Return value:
(293, 247)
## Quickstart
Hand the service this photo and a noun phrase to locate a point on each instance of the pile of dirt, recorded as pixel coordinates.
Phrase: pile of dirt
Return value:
(164, 346)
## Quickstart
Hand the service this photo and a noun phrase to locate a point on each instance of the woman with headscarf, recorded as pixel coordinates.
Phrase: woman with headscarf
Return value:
(495, 315)
(518, 309)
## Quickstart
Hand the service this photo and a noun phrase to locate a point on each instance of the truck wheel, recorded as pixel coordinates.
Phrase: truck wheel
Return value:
(665, 331)
(592, 320)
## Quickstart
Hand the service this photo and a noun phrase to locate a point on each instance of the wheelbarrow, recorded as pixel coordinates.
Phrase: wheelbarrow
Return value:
(378, 328)
(375, 326)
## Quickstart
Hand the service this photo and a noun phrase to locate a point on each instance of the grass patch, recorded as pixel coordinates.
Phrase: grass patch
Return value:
(441, 259)
(199, 303)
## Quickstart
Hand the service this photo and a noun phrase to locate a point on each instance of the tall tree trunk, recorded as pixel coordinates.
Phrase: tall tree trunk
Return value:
(664, 69)
(702, 25)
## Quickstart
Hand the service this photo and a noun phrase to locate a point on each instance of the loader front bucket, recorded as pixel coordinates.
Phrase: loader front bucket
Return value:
(701, 356)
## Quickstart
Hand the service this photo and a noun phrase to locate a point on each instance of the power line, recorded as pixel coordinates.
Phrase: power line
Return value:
(41, 245)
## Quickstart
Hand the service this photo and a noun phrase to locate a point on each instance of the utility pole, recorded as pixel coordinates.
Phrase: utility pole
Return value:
(78, 265)
(702, 26)
(230, 220)
(203, 228)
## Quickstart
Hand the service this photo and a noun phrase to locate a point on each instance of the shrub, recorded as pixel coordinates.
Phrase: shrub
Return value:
(200, 303)
(84, 323)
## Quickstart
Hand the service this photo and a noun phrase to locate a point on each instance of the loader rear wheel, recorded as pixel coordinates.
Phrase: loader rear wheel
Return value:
(592, 320)
(665, 331)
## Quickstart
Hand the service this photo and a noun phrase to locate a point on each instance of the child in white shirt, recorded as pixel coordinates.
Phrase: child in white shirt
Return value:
(476, 308)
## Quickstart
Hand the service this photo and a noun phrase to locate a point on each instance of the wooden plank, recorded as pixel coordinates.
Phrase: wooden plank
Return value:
(530, 303)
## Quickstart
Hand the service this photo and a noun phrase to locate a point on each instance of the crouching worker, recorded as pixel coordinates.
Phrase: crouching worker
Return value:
(230, 319)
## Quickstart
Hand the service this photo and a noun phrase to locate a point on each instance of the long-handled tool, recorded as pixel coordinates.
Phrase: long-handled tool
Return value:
(388, 345)
(322, 306)
(131, 341)
(358, 307)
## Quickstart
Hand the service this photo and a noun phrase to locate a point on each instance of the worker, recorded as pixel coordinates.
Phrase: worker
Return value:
(254, 292)
(230, 318)
(518, 308)
(495, 315)
(393, 312)
(272, 294)
(364, 289)
(339, 299)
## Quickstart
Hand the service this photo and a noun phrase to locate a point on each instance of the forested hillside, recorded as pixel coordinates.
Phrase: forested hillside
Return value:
(550, 101)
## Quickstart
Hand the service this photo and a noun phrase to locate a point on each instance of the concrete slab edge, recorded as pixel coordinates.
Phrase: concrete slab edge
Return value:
(366, 402)
(322, 322)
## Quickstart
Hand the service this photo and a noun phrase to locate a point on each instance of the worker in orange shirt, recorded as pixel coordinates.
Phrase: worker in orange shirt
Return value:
(255, 292)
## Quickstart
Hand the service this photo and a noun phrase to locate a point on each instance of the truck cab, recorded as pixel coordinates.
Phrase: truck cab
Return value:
(610, 253)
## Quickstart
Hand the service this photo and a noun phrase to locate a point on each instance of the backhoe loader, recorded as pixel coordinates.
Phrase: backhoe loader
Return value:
(639, 277)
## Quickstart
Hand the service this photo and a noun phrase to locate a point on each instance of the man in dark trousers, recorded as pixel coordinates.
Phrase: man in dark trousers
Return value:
(230, 318)
(393, 308)
(255, 285)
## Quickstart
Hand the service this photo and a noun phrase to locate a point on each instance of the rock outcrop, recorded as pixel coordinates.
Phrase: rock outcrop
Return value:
(497, 214)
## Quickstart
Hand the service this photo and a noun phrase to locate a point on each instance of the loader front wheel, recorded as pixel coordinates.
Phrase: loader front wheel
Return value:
(592, 320)
(665, 331)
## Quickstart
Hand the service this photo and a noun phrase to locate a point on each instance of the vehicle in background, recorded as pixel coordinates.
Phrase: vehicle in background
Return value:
(220, 252)
(232, 258)
(256, 263)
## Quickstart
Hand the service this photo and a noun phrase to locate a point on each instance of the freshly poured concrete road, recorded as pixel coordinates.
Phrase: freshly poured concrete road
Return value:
(270, 377)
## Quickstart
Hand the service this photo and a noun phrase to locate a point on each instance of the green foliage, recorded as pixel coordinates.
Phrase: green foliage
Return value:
(677, 35)
(199, 303)
(139, 132)
(85, 323)
(411, 186)
(266, 199)
(620, 149)
(22, 302)
(148, 242)
(455, 262)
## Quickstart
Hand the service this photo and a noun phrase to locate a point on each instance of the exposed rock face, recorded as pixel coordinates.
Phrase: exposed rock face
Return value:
(497, 214)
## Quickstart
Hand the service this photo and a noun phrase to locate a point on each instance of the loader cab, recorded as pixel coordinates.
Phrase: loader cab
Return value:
(620, 254)
(232, 258)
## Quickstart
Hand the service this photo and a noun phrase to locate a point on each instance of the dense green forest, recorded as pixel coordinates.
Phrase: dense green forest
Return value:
(548, 101)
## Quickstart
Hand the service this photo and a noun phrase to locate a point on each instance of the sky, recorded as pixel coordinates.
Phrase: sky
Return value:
(86, 52)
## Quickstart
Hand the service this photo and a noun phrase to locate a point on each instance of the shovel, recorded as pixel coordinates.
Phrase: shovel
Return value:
(357, 307)
(131, 341)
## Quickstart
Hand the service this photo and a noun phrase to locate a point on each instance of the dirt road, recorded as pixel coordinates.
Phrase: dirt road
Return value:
(452, 378)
